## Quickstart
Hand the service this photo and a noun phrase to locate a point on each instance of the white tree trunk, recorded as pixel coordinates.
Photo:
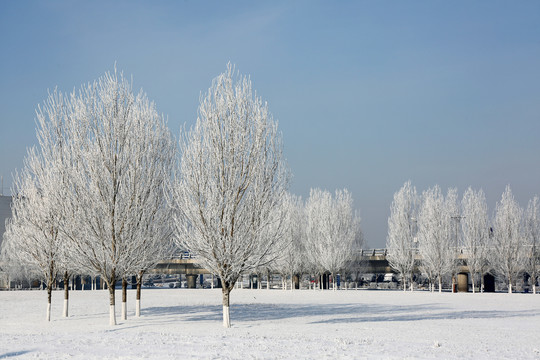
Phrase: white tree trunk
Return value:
(138, 308)
(124, 310)
(226, 317)
(292, 282)
(112, 315)
(112, 302)
(226, 298)
(66, 307)
(48, 311)
(440, 285)
(534, 288)
(510, 288)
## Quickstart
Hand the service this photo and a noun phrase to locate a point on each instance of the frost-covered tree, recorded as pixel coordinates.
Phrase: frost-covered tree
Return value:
(532, 236)
(508, 255)
(34, 237)
(332, 230)
(231, 180)
(291, 260)
(402, 225)
(475, 229)
(121, 152)
(434, 239)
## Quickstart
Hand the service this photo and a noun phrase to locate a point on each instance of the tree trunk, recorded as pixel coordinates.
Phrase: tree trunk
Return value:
(111, 285)
(404, 282)
(124, 298)
(49, 297)
(268, 280)
(481, 282)
(292, 284)
(138, 298)
(65, 312)
(440, 284)
(226, 314)
(473, 283)
(534, 288)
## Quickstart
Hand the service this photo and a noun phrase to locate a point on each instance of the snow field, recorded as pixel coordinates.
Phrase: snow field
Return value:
(273, 324)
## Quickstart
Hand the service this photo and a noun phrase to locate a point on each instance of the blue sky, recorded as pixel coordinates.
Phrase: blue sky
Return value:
(367, 94)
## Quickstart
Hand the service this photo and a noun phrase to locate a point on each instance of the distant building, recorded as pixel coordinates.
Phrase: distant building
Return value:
(5, 213)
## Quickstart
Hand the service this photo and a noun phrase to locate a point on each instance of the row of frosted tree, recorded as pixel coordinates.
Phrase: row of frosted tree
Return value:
(108, 192)
(437, 234)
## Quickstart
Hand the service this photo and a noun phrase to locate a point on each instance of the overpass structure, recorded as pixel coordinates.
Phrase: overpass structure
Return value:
(372, 261)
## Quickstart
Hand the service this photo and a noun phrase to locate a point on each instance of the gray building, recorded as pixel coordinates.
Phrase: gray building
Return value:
(5, 213)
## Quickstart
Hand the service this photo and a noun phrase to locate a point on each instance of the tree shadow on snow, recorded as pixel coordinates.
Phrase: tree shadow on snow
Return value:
(335, 313)
(14, 353)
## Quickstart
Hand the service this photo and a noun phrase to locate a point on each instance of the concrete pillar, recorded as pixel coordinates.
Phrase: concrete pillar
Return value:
(463, 282)
(296, 281)
(191, 281)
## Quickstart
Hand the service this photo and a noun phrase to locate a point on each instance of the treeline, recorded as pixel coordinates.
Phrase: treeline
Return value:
(109, 192)
(431, 231)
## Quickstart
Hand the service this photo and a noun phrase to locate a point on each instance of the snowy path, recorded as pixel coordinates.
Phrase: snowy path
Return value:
(307, 324)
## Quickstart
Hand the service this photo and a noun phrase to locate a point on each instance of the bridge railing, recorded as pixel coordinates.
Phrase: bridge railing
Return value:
(179, 255)
(373, 252)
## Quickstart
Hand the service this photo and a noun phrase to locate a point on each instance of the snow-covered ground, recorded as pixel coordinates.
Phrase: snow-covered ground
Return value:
(270, 324)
